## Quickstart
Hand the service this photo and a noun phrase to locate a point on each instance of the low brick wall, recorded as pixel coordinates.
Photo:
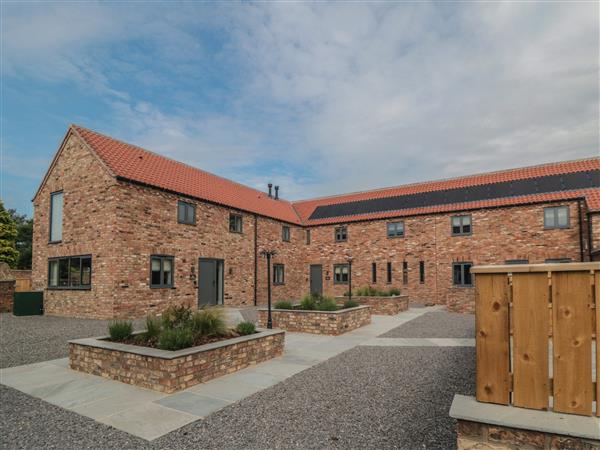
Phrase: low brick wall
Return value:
(170, 371)
(381, 305)
(7, 290)
(317, 322)
(480, 436)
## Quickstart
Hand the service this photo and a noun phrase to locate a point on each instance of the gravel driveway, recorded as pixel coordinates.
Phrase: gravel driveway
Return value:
(437, 324)
(30, 339)
(368, 397)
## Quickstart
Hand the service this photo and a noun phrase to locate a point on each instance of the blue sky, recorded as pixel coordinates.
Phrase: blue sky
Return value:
(320, 98)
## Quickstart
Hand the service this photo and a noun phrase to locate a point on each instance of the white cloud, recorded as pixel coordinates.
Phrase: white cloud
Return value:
(340, 96)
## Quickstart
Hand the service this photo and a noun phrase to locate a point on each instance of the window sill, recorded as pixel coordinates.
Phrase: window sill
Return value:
(395, 237)
(463, 285)
(556, 228)
(68, 288)
(54, 242)
(278, 284)
(187, 223)
(162, 287)
(462, 234)
(236, 232)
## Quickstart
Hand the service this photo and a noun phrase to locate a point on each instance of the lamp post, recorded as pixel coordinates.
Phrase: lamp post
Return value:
(268, 254)
(349, 259)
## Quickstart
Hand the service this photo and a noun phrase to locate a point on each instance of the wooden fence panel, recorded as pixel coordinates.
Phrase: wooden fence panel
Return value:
(22, 284)
(492, 338)
(572, 336)
(530, 299)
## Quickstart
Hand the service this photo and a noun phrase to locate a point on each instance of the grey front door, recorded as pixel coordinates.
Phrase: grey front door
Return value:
(316, 279)
(210, 282)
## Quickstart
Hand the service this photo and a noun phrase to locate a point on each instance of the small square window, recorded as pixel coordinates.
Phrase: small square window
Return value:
(235, 223)
(461, 274)
(461, 225)
(395, 229)
(340, 273)
(285, 233)
(278, 274)
(516, 261)
(161, 271)
(556, 217)
(186, 213)
(341, 234)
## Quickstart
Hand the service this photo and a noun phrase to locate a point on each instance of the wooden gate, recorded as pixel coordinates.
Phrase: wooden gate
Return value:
(537, 327)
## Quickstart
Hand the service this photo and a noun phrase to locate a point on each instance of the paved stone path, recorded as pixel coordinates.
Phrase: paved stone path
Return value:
(149, 415)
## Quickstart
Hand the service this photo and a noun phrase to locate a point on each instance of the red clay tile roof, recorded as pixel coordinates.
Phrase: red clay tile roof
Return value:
(136, 164)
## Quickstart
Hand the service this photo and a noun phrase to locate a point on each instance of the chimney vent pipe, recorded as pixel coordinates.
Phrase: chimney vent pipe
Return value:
(270, 187)
(276, 192)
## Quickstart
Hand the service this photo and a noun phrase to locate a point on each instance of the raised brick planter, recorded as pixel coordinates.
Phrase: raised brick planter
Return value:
(380, 305)
(499, 427)
(170, 371)
(317, 322)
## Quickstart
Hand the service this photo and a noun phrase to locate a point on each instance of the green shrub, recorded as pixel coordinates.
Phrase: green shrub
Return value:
(141, 338)
(245, 328)
(394, 291)
(309, 302)
(351, 304)
(284, 304)
(175, 339)
(327, 304)
(119, 330)
(208, 322)
(153, 327)
(176, 316)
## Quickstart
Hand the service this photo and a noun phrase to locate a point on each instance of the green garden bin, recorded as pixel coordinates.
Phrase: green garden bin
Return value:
(28, 303)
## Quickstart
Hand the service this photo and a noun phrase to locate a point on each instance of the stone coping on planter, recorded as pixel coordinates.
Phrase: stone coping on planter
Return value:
(467, 408)
(104, 343)
(337, 311)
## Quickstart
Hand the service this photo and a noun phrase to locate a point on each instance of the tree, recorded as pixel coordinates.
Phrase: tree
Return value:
(8, 238)
(24, 238)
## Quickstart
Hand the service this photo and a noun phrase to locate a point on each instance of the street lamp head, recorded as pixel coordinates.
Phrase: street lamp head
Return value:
(266, 253)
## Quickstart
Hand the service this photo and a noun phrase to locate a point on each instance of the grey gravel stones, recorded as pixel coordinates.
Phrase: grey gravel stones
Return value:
(436, 324)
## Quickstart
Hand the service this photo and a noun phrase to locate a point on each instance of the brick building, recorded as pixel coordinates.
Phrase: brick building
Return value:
(120, 232)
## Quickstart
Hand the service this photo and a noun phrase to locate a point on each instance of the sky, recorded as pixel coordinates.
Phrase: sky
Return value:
(319, 98)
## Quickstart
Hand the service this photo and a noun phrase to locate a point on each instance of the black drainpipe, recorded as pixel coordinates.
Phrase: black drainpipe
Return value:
(590, 231)
(255, 258)
(580, 231)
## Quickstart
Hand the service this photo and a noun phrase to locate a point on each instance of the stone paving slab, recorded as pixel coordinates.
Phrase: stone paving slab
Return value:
(149, 415)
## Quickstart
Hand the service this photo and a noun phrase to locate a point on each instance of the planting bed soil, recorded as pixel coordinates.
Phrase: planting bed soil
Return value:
(383, 305)
(169, 371)
(317, 322)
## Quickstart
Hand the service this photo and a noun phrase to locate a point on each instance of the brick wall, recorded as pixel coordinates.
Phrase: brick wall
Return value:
(7, 289)
(318, 322)
(170, 375)
(480, 436)
(498, 234)
(89, 208)
(121, 224)
(381, 305)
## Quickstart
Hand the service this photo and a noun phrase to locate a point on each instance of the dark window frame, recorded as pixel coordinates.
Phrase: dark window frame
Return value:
(374, 272)
(395, 234)
(286, 233)
(52, 194)
(162, 285)
(558, 260)
(422, 272)
(68, 287)
(514, 262)
(341, 267)
(389, 275)
(308, 236)
(405, 272)
(462, 225)
(187, 206)
(340, 234)
(555, 210)
(461, 282)
(277, 267)
(234, 219)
